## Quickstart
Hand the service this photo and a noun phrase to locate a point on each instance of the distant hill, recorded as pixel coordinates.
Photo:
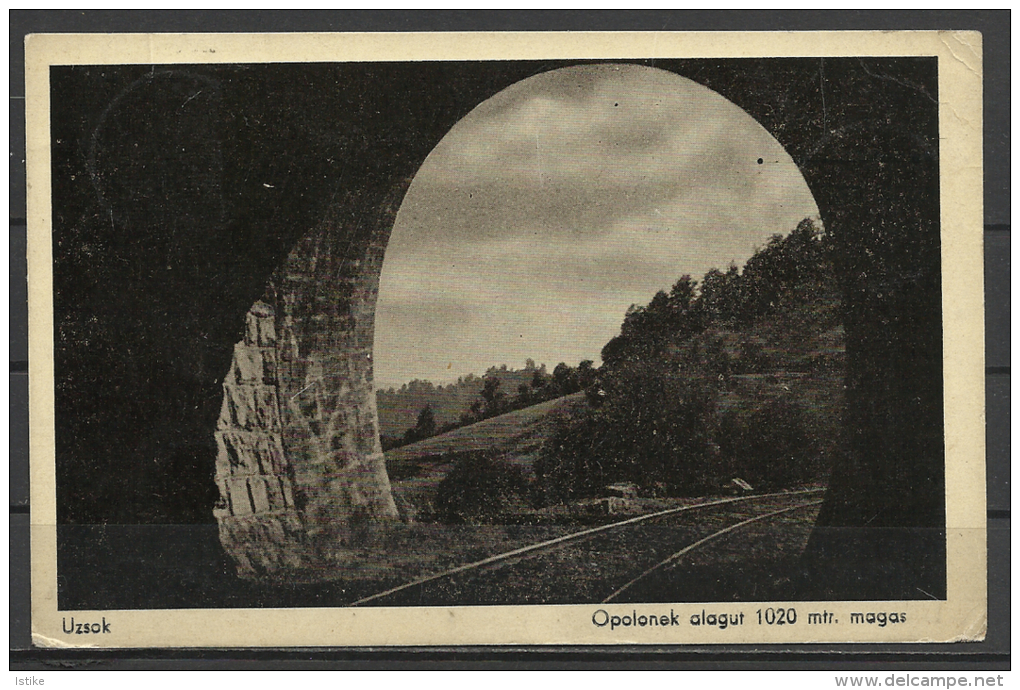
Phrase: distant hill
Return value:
(399, 407)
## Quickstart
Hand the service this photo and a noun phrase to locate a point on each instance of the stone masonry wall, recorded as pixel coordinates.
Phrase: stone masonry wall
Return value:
(256, 510)
(301, 471)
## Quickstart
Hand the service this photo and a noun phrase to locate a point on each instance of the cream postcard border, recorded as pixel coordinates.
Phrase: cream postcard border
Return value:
(962, 616)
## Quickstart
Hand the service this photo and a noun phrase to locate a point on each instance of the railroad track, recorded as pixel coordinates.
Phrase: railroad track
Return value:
(595, 564)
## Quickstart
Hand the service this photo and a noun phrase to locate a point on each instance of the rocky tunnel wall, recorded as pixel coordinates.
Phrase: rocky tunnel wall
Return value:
(300, 469)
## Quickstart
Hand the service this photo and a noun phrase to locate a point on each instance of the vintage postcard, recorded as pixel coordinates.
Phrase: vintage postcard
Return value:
(496, 339)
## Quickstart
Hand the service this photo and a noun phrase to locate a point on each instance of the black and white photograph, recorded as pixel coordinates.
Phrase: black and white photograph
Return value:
(362, 340)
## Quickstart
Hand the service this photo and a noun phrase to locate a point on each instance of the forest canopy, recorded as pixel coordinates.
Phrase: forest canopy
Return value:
(740, 377)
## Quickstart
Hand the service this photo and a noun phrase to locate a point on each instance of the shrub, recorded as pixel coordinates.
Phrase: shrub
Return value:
(652, 427)
(480, 488)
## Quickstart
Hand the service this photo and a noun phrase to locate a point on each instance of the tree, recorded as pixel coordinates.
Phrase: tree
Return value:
(684, 317)
(586, 374)
(494, 399)
(616, 350)
(783, 266)
(565, 379)
(648, 331)
(426, 424)
(654, 427)
(649, 323)
(524, 396)
(424, 428)
(683, 293)
(719, 300)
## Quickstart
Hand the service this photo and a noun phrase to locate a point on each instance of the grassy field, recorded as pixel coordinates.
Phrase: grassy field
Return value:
(520, 432)
(416, 470)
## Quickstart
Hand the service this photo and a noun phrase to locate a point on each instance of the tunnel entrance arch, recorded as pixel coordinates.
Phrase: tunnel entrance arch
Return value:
(624, 156)
(311, 338)
(295, 145)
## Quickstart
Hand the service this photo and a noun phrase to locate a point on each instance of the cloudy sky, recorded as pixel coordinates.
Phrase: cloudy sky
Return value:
(561, 201)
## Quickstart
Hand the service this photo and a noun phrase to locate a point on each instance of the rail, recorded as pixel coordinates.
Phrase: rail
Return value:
(690, 547)
(574, 536)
